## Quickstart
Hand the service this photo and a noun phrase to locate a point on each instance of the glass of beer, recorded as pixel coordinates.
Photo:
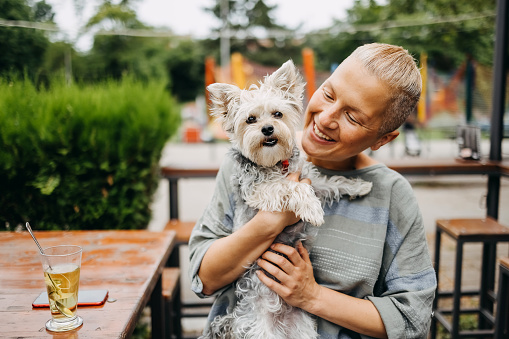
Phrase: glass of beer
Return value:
(61, 266)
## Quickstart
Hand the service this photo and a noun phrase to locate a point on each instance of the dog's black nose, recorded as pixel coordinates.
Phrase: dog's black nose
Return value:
(267, 130)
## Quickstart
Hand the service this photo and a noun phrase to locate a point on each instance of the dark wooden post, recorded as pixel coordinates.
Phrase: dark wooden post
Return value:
(497, 116)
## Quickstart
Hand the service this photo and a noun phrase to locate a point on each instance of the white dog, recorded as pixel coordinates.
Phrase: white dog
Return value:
(261, 123)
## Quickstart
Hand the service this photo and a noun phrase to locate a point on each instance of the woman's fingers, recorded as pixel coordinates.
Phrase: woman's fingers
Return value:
(280, 261)
(295, 176)
(294, 280)
(306, 181)
(273, 262)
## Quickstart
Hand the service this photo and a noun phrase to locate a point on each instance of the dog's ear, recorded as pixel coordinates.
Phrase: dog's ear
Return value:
(288, 79)
(223, 98)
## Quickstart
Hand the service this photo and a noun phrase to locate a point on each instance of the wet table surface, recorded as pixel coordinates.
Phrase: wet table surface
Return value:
(128, 264)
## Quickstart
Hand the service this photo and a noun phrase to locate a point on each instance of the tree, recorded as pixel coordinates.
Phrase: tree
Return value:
(23, 48)
(119, 15)
(446, 30)
(184, 62)
(332, 49)
(112, 56)
(255, 34)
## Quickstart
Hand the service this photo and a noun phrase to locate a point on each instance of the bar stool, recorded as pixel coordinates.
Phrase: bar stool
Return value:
(488, 232)
(502, 318)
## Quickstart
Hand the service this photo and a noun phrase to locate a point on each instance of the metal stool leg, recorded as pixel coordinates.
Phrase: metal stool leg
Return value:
(457, 290)
(157, 311)
(489, 259)
(177, 314)
(438, 235)
(502, 320)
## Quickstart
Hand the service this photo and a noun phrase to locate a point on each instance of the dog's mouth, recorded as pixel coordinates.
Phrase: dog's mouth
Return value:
(270, 142)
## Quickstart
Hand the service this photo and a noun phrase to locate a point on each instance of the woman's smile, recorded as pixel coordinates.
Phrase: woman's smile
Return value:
(319, 133)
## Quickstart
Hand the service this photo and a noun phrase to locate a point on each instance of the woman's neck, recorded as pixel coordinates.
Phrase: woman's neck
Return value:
(359, 161)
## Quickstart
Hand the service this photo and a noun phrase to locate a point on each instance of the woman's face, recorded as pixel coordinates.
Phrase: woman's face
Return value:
(344, 116)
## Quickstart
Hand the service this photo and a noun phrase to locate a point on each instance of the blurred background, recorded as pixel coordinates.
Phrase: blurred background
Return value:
(188, 44)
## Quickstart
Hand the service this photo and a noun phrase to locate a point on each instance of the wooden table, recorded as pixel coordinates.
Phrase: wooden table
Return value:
(127, 263)
(504, 168)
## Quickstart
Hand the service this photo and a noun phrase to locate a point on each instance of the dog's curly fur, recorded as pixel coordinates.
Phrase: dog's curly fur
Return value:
(261, 123)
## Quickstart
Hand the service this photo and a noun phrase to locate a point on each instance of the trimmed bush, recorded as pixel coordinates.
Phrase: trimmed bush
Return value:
(82, 157)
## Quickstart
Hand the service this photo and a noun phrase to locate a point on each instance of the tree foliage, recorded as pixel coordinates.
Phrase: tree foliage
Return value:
(254, 33)
(22, 48)
(446, 30)
(119, 15)
(184, 62)
(113, 56)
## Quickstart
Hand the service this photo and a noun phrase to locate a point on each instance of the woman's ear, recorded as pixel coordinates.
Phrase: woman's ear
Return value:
(385, 139)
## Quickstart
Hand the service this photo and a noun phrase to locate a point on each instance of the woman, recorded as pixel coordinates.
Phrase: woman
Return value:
(369, 272)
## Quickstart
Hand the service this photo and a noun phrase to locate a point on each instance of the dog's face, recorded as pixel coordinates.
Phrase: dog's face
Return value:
(261, 122)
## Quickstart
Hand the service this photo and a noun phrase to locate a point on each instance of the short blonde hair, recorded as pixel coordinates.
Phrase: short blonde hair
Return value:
(396, 67)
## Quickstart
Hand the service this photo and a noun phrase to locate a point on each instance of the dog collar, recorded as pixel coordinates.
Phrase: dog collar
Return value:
(284, 166)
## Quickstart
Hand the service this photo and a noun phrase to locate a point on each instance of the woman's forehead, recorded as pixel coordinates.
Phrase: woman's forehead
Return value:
(357, 88)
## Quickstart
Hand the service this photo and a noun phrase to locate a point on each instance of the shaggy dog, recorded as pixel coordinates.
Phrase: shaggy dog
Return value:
(261, 123)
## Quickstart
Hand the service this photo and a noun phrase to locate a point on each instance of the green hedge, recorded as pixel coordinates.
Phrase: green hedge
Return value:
(81, 157)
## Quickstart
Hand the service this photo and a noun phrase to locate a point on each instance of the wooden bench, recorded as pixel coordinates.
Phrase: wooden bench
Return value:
(174, 174)
(182, 228)
(172, 302)
(183, 231)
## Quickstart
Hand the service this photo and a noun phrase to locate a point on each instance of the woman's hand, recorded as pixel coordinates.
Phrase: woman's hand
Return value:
(297, 285)
(299, 288)
(296, 177)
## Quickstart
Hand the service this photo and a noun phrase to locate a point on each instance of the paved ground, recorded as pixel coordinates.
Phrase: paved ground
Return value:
(438, 197)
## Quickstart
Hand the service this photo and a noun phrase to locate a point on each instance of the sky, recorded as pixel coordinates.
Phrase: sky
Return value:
(186, 17)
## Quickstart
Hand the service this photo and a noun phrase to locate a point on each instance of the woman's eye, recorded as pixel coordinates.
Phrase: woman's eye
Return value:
(277, 115)
(351, 118)
(251, 120)
(327, 95)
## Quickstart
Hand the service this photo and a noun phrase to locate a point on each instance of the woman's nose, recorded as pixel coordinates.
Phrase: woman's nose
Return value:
(329, 118)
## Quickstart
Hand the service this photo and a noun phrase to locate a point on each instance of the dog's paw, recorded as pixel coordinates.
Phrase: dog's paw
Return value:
(315, 219)
(335, 187)
(269, 196)
(306, 204)
(365, 188)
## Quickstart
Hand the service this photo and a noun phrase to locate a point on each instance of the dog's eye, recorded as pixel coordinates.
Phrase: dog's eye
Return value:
(251, 119)
(277, 115)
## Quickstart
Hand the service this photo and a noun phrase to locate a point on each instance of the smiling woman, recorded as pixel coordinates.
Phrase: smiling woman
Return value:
(370, 254)
(360, 106)
(344, 117)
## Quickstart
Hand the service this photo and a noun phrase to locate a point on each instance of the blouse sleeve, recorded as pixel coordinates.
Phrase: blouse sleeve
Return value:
(406, 286)
(216, 222)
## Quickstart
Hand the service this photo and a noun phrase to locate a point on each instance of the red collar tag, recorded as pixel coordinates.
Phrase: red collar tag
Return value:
(284, 166)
